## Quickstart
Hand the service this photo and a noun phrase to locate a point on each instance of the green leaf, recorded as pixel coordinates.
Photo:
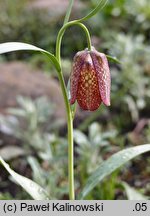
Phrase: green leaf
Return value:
(32, 188)
(10, 152)
(113, 59)
(132, 193)
(110, 165)
(16, 46)
(68, 11)
(37, 171)
(81, 138)
(73, 106)
(68, 89)
(99, 7)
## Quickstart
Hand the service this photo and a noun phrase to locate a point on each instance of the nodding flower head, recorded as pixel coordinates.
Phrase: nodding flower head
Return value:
(90, 80)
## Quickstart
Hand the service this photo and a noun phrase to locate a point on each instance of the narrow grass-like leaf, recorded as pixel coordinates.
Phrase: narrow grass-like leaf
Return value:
(16, 46)
(68, 89)
(113, 59)
(99, 7)
(68, 11)
(133, 194)
(110, 165)
(32, 188)
(73, 107)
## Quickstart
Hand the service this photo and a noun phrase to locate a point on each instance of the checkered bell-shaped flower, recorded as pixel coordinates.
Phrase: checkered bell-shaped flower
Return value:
(90, 80)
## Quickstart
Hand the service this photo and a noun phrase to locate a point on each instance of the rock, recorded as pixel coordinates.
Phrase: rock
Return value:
(18, 78)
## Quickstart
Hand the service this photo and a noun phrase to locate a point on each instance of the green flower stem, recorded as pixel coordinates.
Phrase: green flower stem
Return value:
(67, 104)
(62, 31)
(70, 138)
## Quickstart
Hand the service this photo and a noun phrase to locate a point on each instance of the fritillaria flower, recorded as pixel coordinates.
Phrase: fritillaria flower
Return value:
(90, 80)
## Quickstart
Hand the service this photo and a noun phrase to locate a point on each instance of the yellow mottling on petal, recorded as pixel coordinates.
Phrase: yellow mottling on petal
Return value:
(90, 81)
(86, 77)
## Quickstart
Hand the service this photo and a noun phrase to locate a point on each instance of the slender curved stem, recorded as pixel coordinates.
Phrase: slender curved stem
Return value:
(67, 104)
(62, 31)
(70, 127)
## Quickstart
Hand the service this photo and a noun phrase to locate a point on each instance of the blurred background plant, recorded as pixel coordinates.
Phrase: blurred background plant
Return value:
(33, 141)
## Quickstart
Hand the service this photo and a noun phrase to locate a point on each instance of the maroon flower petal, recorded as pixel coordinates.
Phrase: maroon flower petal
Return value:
(103, 74)
(88, 94)
(75, 74)
(90, 80)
